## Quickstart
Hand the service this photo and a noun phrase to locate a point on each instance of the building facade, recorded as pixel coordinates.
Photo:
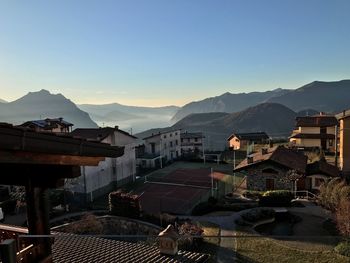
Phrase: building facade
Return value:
(110, 173)
(240, 141)
(315, 132)
(192, 145)
(56, 125)
(159, 149)
(344, 142)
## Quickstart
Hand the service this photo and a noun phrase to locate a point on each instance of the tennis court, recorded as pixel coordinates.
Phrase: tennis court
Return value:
(177, 192)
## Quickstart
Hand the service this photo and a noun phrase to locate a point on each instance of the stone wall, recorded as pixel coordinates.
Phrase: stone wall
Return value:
(256, 179)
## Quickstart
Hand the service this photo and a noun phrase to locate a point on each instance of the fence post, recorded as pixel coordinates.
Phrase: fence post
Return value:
(8, 251)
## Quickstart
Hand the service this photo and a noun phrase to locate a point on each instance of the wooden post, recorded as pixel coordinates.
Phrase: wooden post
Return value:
(38, 218)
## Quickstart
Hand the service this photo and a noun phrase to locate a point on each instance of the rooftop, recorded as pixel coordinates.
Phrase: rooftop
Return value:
(98, 134)
(47, 123)
(316, 121)
(73, 248)
(280, 155)
(250, 136)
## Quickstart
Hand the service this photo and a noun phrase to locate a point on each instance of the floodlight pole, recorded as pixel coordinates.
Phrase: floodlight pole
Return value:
(212, 182)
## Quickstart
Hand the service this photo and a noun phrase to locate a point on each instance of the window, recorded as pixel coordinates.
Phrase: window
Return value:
(171, 135)
(182, 140)
(188, 139)
(171, 144)
(196, 139)
(175, 133)
(164, 136)
(176, 142)
(164, 145)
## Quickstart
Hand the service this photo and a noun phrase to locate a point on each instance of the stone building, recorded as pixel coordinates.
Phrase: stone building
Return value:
(268, 168)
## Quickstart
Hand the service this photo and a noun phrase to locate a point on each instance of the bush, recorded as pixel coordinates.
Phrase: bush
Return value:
(258, 214)
(203, 208)
(253, 194)
(276, 198)
(191, 236)
(343, 248)
(124, 204)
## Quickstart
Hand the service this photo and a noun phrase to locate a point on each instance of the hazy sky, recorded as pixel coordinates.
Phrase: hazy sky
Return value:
(169, 52)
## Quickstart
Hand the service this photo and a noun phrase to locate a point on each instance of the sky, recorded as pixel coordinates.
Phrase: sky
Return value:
(162, 52)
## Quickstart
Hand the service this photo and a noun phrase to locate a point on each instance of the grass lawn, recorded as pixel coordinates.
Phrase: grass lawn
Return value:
(262, 249)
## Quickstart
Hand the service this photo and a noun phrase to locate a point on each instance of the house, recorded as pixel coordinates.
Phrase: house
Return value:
(57, 125)
(317, 173)
(192, 144)
(113, 172)
(344, 142)
(270, 168)
(267, 169)
(315, 132)
(159, 148)
(239, 141)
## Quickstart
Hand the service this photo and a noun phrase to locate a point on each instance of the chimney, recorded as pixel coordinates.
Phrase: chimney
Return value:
(168, 241)
(322, 113)
(250, 159)
(263, 151)
(271, 143)
(116, 127)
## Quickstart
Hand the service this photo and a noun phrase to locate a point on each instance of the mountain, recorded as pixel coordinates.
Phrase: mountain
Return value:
(127, 117)
(227, 102)
(3, 101)
(275, 119)
(43, 104)
(319, 95)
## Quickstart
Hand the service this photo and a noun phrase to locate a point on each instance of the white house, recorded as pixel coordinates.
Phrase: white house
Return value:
(111, 173)
(159, 149)
(192, 144)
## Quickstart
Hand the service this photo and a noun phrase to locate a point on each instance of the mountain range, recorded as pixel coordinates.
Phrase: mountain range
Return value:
(275, 119)
(227, 102)
(43, 104)
(3, 101)
(127, 117)
(318, 95)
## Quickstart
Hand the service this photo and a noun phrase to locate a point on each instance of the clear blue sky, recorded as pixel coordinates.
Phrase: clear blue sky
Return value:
(169, 52)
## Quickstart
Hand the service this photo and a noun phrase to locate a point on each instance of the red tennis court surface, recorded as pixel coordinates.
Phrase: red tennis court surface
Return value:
(159, 195)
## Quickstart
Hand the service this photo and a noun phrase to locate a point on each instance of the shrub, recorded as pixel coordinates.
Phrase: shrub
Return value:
(253, 194)
(203, 208)
(191, 236)
(258, 214)
(343, 248)
(124, 204)
(276, 198)
(212, 200)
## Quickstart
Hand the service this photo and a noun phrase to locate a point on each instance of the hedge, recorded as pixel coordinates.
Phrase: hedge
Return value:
(276, 198)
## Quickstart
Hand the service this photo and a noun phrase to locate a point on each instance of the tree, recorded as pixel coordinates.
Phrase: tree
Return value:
(292, 176)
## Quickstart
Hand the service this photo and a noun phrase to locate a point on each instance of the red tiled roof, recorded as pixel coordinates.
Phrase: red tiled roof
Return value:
(316, 121)
(280, 155)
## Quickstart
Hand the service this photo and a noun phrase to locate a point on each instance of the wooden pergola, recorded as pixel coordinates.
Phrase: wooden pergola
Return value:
(40, 161)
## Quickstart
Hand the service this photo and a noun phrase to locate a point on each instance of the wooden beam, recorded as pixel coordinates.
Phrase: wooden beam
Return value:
(44, 158)
(40, 175)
